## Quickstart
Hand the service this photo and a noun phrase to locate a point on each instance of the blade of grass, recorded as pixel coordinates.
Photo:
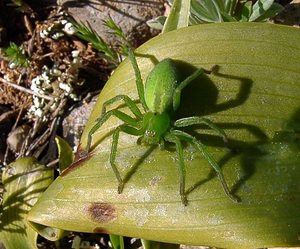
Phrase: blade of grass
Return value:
(179, 16)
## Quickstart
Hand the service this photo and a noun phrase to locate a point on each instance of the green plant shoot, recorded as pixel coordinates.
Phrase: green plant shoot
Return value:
(160, 99)
(17, 55)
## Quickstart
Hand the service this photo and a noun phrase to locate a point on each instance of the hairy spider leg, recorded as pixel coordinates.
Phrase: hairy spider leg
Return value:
(131, 131)
(128, 128)
(139, 81)
(182, 85)
(201, 147)
(121, 115)
(181, 166)
(128, 102)
(183, 122)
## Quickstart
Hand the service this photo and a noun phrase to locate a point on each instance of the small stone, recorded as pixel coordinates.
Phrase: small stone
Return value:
(17, 137)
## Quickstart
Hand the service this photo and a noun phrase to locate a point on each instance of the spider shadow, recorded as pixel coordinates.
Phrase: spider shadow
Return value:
(200, 96)
(199, 99)
(249, 153)
(136, 165)
(234, 148)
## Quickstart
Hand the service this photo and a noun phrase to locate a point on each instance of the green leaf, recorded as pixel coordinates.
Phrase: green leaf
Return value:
(24, 181)
(246, 11)
(254, 97)
(148, 244)
(117, 241)
(230, 5)
(17, 55)
(179, 16)
(209, 11)
(271, 12)
(205, 11)
(157, 22)
(86, 33)
(65, 153)
(264, 9)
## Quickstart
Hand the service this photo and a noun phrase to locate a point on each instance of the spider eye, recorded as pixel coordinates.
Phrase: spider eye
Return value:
(150, 133)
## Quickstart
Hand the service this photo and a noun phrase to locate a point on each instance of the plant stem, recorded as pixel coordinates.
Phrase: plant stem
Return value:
(23, 89)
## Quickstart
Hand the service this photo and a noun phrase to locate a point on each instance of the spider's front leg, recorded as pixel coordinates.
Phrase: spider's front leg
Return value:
(126, 129)
(184, 83)
(122, 116)
(138, 77)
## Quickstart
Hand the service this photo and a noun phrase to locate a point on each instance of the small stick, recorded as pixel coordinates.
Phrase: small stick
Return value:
(23, 89)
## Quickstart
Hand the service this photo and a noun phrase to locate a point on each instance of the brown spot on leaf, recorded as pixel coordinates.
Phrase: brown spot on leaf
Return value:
(100, 230)
(102, 212)
(80, 153)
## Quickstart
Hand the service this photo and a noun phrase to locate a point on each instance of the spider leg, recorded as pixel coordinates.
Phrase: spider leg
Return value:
(128, 101)
(183, 84)
(138, 77)
(122, 116)
(181, 166)
(183, 122)
(200, 146)
(126, 129)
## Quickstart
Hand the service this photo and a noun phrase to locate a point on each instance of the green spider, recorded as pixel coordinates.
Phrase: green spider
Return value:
(160, 99)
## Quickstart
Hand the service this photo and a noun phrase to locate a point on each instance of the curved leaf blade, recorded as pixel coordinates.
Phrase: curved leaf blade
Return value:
(254, 96)
(178, 17)
(65, 153)
(24, 181)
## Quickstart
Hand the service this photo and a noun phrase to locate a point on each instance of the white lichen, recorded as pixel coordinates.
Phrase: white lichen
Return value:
(75, 53)
(69, 28)
(66, 87)
(57, 82)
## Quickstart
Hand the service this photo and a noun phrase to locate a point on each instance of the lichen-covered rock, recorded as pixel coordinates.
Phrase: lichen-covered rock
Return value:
(131, 16)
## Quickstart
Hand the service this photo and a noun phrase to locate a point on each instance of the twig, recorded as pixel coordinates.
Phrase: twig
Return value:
(23, 89)
(52, 163)
(41, 139)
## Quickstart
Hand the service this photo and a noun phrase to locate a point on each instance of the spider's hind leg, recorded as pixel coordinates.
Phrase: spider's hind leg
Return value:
(201, 147)
(183, 122)
(181, 166)
(216, 167)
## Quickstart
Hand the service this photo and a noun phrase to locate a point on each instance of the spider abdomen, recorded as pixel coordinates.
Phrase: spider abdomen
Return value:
(160, 86)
